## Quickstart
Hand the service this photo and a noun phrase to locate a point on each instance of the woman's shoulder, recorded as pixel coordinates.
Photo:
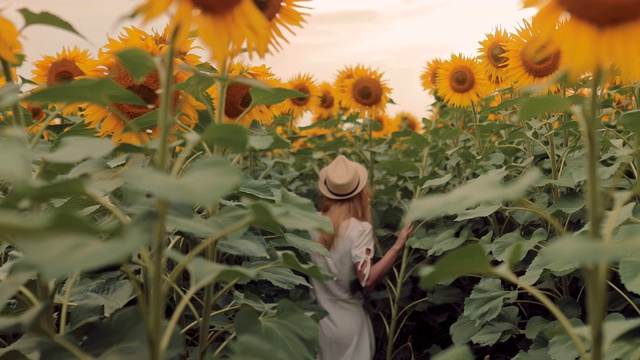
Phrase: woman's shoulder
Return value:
(354, 224)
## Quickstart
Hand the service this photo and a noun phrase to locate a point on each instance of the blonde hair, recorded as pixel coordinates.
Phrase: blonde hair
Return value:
(339, 211)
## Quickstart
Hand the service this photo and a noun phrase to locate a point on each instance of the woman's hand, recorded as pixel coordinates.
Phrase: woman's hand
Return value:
(403, 236)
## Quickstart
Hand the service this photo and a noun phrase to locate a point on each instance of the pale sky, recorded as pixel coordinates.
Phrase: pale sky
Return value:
(395, 37)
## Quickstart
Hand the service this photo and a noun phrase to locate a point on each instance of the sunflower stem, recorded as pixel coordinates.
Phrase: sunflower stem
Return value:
(155, 292)
(596, 275)
(371, 159)
(477, 128)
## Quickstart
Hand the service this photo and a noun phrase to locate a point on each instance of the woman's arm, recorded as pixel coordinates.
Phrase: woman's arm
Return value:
(380, 269)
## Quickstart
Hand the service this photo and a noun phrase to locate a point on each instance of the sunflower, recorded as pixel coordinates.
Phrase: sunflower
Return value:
(428, 76)
(113, 119)
(37, 115)
(328, 106)
(532, 59)
(491, 57)
(386, 125)
(406, 120)
(65, 67)
(461, 82)
(238, 98)
(305, 84)
(365, 92)
(224, 26)
(281, 14)
(10, 46)
(594, 33)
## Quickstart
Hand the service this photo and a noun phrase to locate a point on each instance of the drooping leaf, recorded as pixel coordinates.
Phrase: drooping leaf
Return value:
(268, 96)
(205, 272)
(232, 136)
(46, 18)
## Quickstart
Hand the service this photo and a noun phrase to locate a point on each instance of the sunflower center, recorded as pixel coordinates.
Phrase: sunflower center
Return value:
(238, 100)
(326, 100)
(367, 91)
(216, 7)
(539, 61)
(63, 71)
(36, 112)
(461, 79)
(495, 55)
(301, 101)
(146, 90)
(603, 13)
(270, 8)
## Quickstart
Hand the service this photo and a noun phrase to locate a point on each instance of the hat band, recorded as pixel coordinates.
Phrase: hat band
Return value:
(344, 194)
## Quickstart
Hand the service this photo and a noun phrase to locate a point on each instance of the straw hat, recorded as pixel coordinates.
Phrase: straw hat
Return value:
(342, 178)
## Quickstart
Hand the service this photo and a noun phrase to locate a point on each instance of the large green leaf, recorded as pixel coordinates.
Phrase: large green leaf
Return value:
(204, 182)
(487, 187)
(283, 278)
(232, 136)
(454, 353)
(98, 91)
(111, 291)
(541, 105)
(465, 260)
(11, 284)
(487, 300)
(289, 330)
(500, 329)
(73, 149)
(504, 247)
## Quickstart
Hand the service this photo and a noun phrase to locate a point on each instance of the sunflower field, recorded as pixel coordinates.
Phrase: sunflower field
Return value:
(158, 203)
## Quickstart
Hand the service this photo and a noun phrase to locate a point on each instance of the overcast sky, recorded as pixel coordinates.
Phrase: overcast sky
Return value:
(396, 37)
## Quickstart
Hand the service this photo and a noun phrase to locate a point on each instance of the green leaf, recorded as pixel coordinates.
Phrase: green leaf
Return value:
(487, 187)
(109, 290)
(630, 273)
(463, 330)
(541, 105)
(245, 245)
(293, 211)
(487, 300)
(46, 18)
(288, 330)
(307, 245)
(232, 136)
(267, 96)
(455, 353)
(568, 203)
(98, 91)
(73, 149)
(437, 182)
(504, 247)
(485, 209)
(253, 347)
(630, 120)
(22, 322)
(143, 122)
(500, 329)
(283, 278)
(204, 182)
(9, 95)
(204, 272)
(398, 167)
(261, 142)
(138, 62)
(11, 284)
(534, 326)
(465, 260)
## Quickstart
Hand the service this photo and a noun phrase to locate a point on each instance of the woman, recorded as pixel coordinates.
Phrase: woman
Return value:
(346, 332)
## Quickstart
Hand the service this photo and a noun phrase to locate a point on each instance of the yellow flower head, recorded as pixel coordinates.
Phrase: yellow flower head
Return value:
(224, 26)
(238, 98)
(66, 66)
(461, 82)
(10, 46)
(364, 91)
(428, 76)
(594, 33)
(532, 59)
(386, 126)
(281, 14)
(305, 84)
(491, 57)
(328, 106)
(113, 120)
(406, 120)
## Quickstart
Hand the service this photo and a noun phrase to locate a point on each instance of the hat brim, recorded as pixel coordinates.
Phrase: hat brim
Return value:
(363, 175)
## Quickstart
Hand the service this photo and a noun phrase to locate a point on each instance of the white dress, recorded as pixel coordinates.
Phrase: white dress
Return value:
(346, 332)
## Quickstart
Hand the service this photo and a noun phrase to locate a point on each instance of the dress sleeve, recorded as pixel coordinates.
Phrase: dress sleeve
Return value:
(362, 248)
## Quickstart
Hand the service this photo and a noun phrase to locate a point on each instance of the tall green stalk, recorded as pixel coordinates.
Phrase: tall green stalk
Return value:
(395, 307)
(210, 251)
(156, 296)
(6, 71)
(597, 275)
(372, 158)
